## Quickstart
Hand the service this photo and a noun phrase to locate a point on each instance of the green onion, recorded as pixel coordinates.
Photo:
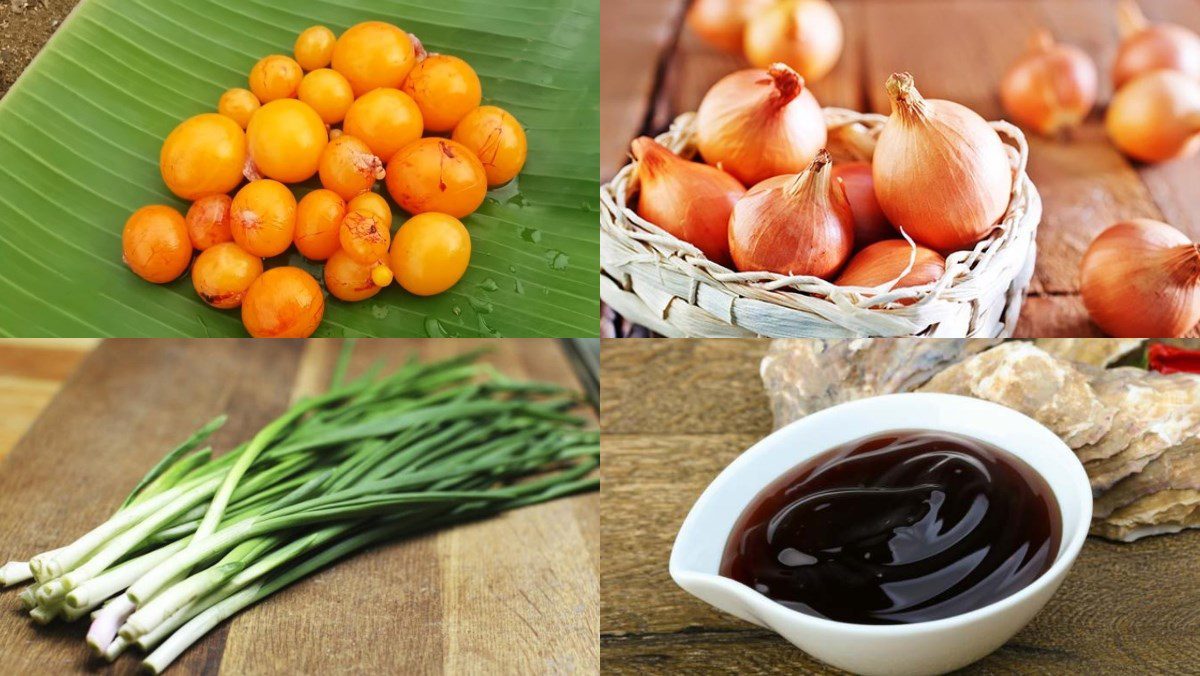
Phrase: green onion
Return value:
(200, 537)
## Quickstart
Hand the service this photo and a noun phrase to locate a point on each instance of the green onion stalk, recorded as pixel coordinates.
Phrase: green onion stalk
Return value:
(202, 536)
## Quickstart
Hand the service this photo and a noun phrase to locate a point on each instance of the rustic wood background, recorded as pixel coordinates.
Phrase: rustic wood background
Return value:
(676, 412)
(655, 68)
(514, 594)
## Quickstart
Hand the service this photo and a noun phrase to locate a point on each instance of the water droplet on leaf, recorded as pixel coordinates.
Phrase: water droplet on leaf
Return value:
(434, 329)
(479, 305)
(557, 259)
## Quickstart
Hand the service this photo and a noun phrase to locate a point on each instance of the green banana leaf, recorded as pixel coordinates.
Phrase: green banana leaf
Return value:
(80, 134)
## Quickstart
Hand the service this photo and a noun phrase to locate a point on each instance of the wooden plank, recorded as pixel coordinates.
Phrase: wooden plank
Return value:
(762, 652)
(694, 386)
(21, 399)
(1044, 316)
(31, 371)
(537, 616)
(742, 651)
(635, 35)
(517, 593)
(951, 49)
(80, 344)
(542, 613)
(1174, 188)
(1048, 316)
(1113, 614)
(650, 483)
(50, 363)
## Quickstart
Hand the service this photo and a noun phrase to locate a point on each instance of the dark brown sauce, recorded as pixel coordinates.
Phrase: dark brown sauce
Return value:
(900, 527)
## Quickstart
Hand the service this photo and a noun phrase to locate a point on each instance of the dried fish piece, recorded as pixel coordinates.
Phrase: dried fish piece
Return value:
(1157, 514)
(1093, 351)
(1113, 389)
(802, 376)
(1024, 377)
(1176, 469)
(1155, 413)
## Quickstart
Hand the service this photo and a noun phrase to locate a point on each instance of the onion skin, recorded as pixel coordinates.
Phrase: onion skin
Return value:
(941, 172)
(756, 124)
(1147, 47)
(1156, 117)
(883, 261)
(687, 199)
(722, 23)
(1051, 88)
(805, 34)
(870, 224)
(794, 224)
(1141, 279)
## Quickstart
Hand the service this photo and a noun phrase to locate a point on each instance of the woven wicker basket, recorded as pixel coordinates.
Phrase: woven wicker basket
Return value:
(667, 285)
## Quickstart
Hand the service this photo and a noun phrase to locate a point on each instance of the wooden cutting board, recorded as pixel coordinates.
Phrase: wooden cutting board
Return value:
(32, 371)
(676, 412)
(516, 593)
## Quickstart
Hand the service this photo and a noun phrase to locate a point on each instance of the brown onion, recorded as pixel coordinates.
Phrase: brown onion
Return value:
(804, 34)
(687, 199)
(1156, 117)
(756, 124)
(722, 23)
(870, 225)
(793, 225)
(941, 172)
(1141, 279)
(1051, 88)
(1147, 47)
(884, 261)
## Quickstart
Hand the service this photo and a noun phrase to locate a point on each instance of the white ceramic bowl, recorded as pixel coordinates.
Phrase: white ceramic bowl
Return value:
(920, 648)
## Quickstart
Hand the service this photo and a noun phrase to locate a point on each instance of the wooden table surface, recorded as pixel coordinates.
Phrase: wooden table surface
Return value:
(513, 594)
(654, 68)
(675, 412)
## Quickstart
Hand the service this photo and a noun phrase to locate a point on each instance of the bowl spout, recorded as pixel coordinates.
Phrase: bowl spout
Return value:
(722, 594)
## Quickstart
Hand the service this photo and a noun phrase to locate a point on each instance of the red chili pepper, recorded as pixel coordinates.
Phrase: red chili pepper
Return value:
(1170, 359)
